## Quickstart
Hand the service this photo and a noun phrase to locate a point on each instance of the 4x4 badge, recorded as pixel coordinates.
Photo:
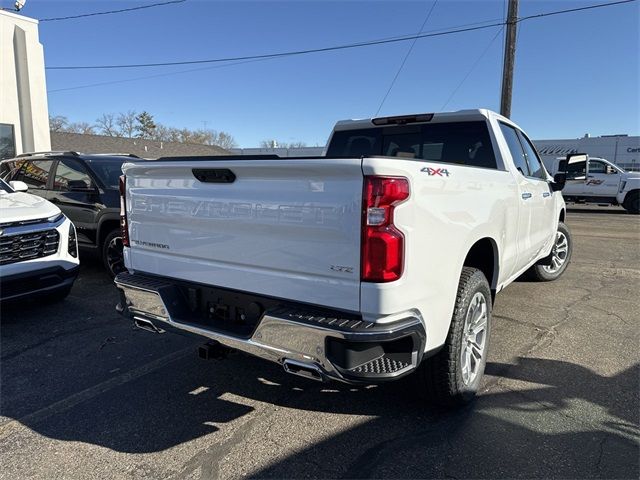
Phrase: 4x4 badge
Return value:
(440, 172)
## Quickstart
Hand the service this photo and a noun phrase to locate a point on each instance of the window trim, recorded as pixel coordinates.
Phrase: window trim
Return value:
(526, 159)
(526, 139)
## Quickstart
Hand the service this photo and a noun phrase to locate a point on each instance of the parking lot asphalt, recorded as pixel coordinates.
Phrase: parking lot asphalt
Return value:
(86, 395)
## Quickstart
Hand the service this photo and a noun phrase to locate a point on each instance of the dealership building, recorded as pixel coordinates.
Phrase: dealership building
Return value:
(24, 115)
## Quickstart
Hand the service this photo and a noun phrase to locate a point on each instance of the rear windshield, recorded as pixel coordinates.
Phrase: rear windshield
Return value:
(462, 143)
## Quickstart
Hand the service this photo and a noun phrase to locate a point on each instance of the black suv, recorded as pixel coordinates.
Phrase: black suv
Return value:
(85, 188)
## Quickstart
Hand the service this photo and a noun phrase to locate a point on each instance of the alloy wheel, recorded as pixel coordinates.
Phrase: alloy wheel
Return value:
(474, 338)
(558, 254)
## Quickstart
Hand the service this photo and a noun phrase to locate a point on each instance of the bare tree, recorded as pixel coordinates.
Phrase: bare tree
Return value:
(81, 127)
(58, 123)
(269, 144)
(130, 124)
(126, 123)
(224, 140)
(106, 125)
(276, 144)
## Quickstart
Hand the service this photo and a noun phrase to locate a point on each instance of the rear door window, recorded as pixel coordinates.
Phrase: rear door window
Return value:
(535, 165)
(515, 148)
(462, 143)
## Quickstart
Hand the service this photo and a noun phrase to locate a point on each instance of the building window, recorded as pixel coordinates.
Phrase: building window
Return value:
(7, 141)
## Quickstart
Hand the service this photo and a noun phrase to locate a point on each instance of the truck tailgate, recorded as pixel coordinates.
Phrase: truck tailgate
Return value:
(287, 228)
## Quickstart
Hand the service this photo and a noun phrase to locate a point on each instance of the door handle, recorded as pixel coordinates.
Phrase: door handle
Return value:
(546, 194)
(526, 195)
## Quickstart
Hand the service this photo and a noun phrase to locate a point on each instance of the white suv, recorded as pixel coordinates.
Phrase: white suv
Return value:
(38, 246)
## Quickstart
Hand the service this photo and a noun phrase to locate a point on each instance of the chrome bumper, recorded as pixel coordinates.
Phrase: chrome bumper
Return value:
(329, 345)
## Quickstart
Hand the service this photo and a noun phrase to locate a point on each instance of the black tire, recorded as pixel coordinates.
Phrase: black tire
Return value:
(546, 273)
(632, 202)
(112, 256)
(442, 375)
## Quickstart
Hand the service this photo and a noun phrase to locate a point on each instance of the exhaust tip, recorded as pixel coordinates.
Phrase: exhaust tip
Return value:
(306, 370)
(144, 324)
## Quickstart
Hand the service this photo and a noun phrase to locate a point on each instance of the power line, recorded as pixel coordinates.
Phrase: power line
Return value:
(473, 67)
(339, 47)
(280, 54)
(159, 75)
(577, 9)
(452, 31)
(109, 12)
(393, 82)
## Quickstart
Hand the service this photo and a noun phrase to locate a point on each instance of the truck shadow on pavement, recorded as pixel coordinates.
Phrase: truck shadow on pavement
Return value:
(537, 431)
(76, 372)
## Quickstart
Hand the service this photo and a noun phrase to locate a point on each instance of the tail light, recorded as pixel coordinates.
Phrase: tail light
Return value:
(382, 243)
(124, 226)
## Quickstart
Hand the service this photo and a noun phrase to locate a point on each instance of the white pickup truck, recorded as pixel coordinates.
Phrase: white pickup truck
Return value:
(597, 180)
(379, 259)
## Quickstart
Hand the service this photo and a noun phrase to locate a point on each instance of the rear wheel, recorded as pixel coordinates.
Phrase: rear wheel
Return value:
(112, 253)
(632, 202)
(452, 377)
(560, 257)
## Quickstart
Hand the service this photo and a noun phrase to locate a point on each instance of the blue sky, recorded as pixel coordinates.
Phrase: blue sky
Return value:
(575, 73)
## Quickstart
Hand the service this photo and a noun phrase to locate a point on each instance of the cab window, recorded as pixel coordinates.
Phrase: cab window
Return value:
(461, 143)
(596, 166)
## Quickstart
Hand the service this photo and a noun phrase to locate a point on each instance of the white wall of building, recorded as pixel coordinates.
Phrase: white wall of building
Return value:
(23, 90)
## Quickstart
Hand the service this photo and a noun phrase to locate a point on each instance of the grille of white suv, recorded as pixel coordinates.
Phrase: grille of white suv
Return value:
(26, 246)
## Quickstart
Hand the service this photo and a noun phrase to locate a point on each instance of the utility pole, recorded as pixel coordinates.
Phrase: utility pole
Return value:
(509, 59)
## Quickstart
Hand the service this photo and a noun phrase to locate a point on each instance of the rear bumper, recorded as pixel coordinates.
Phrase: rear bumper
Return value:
(320, 346)
(43, 281)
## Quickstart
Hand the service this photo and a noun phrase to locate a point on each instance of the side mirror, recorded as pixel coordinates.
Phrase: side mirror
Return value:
(578, 165)
(559, 181)
(611, 170)
(19, 186)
